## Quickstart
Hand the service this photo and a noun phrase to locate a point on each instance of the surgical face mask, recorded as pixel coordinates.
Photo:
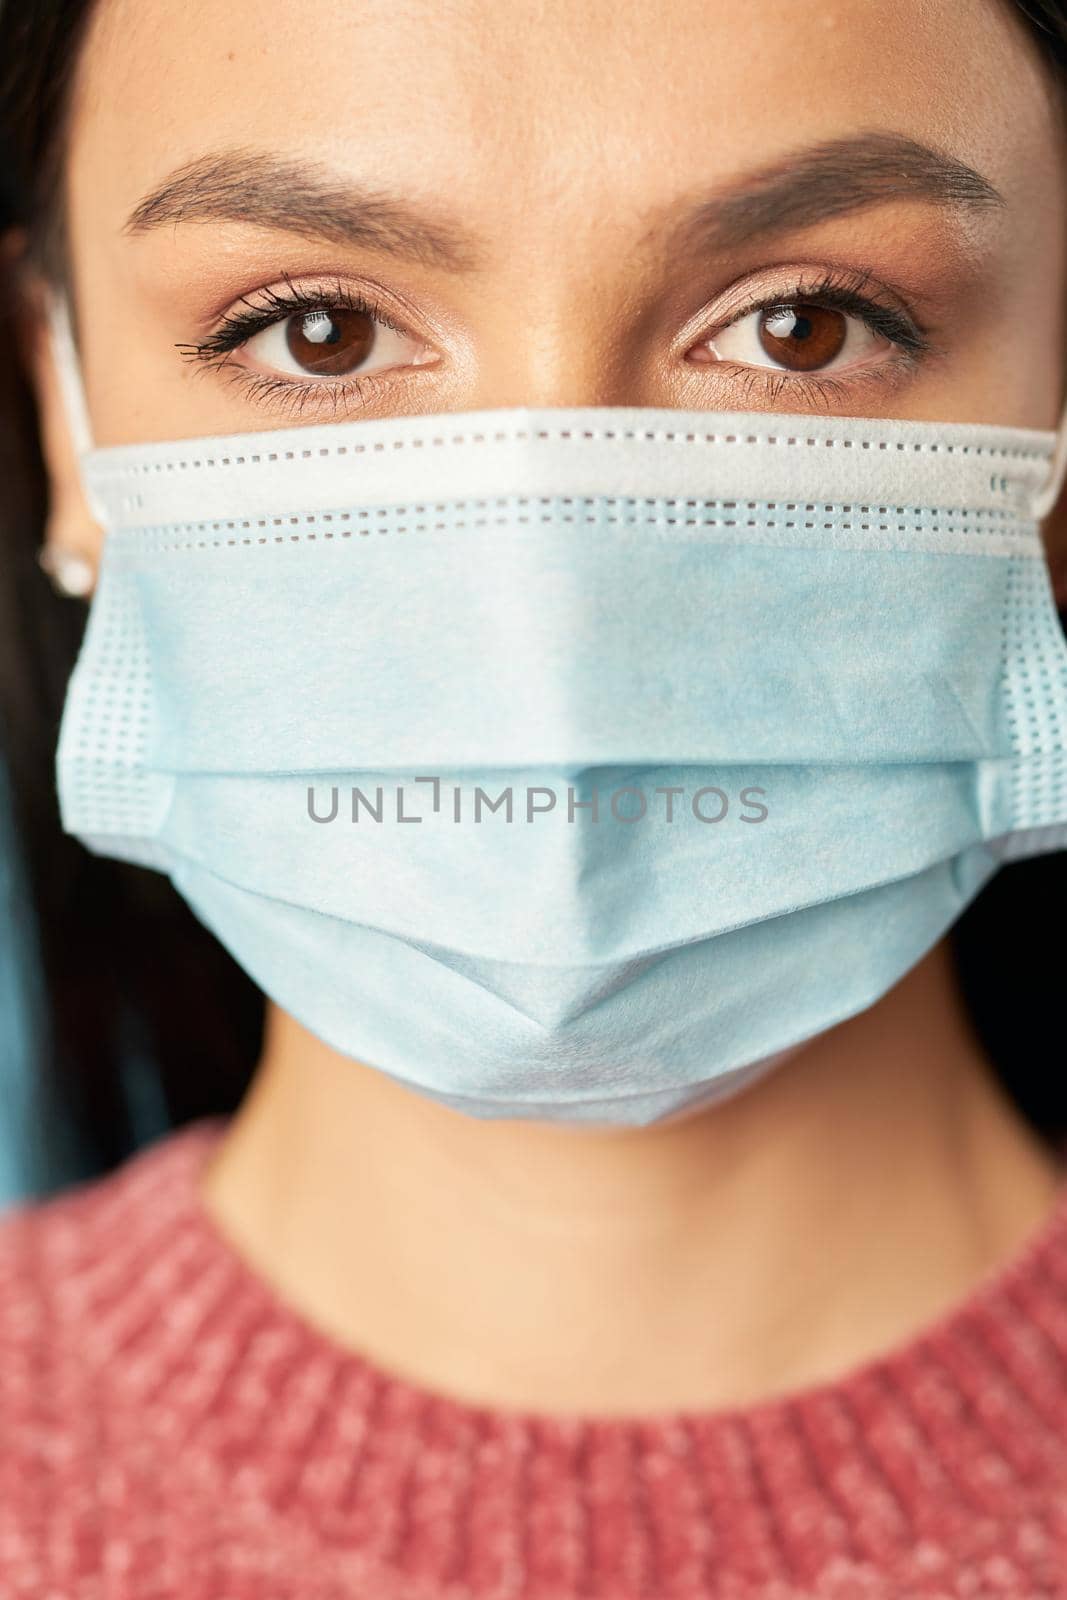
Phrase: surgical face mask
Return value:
(572, 763)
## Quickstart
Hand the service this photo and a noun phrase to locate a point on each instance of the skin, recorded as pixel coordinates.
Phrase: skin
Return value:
(853, 1194)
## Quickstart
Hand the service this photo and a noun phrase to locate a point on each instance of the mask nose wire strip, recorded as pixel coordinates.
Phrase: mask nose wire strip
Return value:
(1047, 496)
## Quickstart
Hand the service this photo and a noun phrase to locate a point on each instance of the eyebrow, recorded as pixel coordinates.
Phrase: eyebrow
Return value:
(809, 185)
(292, 195)
(828, 180)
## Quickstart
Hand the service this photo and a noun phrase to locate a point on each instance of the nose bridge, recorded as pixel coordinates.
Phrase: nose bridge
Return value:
(542, 369)
(558, 334)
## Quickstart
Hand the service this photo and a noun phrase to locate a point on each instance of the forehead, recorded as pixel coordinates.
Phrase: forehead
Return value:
(546, 103)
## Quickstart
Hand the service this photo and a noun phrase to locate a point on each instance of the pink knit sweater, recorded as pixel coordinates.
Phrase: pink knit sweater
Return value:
(170, 1430)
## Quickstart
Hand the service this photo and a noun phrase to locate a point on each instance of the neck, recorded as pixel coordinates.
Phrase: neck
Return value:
(831, 1208)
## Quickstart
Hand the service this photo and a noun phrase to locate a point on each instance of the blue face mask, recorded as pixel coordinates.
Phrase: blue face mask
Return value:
(574, 764)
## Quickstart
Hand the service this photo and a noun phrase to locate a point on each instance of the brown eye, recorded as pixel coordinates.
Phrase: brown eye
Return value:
(330, 343)
(802, 337)
(799, 337)
(333, 344)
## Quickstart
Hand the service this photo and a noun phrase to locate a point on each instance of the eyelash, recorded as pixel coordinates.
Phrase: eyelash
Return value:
(238, 327)
(841, 290)
(838, 289)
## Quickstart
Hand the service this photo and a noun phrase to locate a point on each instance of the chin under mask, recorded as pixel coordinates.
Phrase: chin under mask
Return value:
(572, 763)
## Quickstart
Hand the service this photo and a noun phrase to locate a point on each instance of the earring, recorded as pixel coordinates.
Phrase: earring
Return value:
(69, 573)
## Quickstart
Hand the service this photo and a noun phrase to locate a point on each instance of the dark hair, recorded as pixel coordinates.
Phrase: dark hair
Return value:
(128, 970)
(129, 973)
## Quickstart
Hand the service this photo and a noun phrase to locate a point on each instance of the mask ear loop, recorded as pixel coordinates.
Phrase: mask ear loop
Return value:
(72, 393)
(1047, 496)
(69, 572)
(68, 369)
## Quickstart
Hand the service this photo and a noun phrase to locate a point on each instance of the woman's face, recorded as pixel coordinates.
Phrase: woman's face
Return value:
(561, 203)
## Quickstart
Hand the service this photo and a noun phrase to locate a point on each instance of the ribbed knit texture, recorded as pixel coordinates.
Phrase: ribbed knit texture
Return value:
(170, 1428)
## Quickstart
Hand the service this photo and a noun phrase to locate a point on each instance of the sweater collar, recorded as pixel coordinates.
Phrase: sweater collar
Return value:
(961, 1428)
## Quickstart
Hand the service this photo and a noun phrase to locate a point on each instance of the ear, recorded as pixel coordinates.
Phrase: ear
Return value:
(72, 537)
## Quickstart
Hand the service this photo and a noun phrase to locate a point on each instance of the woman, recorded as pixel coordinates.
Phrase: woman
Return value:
(610, 1212)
